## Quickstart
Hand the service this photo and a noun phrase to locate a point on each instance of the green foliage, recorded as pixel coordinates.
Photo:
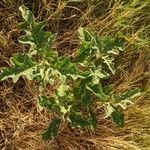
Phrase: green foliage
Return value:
(21, 65)
(118, 118)
(52, 130)
(77, 82)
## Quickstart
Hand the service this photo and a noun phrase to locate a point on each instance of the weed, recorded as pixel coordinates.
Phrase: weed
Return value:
(77, 78)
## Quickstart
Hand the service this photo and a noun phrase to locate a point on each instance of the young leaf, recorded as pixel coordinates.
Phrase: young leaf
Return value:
(52, 130)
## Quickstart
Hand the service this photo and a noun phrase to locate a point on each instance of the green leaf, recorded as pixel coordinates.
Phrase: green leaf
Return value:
(49, 55)
(24, 26)
(49, 102)
(98, 43)
(27, 14)
(112, 45)
(84, 34)
(42, 39)
(86, 44)
(98, 74)
(27, 39)
(84, 52)
(86, 98)
(118, 118)
(39, 40)
(52, 130)
(22, 65)
(93, 120)
(109, 63)
(77, 120)
(65, 66)
(98, 91)
(108, 89)
(85, 74)
(47, 74)
(130, 94)
(127, 97)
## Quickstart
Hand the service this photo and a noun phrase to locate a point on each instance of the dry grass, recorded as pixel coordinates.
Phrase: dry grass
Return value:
(21, 122)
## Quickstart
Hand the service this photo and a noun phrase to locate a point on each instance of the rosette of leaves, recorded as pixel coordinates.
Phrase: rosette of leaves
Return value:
(78, 81)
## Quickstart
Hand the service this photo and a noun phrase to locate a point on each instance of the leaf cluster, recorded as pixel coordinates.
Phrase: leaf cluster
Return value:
(77, 81)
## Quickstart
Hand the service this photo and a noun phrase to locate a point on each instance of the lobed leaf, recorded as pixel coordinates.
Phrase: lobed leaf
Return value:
(22, 65)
